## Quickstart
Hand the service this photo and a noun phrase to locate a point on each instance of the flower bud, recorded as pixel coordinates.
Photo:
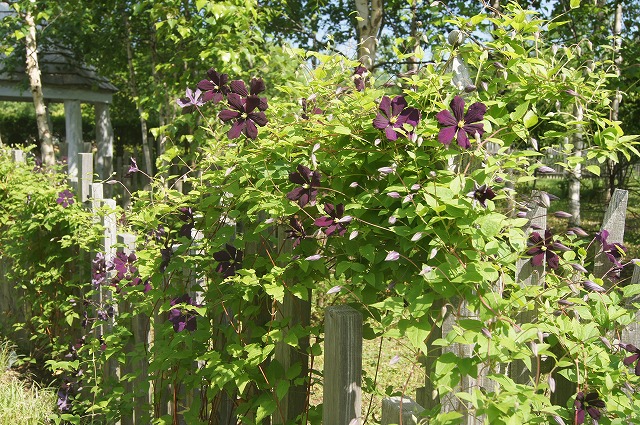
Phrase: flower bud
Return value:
(456, 38)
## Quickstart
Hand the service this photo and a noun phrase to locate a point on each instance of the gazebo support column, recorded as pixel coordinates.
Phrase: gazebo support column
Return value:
(73, 127)
(104, 138)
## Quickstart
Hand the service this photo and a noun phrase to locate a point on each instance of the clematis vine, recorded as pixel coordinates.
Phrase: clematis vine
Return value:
(393, 116)
(590, 404)
(633, 358)
(295, 231)
(460, 125)
(215, 87)
(335, 221)
(309, 181)
(360, 77)
(230, 260)
(255, 88)
(544, 249)
(481, 194)
(65, 198)
(191, 101)
(183, 318)
(245, 114)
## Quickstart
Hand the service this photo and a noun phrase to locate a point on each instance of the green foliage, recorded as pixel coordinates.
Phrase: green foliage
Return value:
(419, 243)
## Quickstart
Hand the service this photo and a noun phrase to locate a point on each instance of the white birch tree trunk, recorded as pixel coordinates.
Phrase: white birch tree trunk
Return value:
(35, 82)
(368, 25)
(575, 175)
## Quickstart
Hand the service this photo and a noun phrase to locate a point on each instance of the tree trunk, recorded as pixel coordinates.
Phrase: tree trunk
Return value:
(575, 175)
(615, 104)
(146, 152)
(33, 70)
(368, 26)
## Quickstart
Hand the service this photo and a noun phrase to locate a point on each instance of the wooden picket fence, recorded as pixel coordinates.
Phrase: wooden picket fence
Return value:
(343, 335)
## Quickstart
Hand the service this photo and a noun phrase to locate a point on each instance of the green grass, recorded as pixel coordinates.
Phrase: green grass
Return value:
(21, 402)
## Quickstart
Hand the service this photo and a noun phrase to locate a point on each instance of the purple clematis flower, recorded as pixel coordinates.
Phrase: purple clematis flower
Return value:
(295, 231)
(309, 181)
(614, 251)
(98, 270)
(481, 194)
(133, 168)
(360, 77)
(191, 101)
(230, 260)
(244, 115)
(215, 88)
(394, 114)
(183, 318)
(590, 404)
(65, 198)
(635, 357)
(255, 88)
(460, 124)
(543, 248)
(335, 222)
(186, 215)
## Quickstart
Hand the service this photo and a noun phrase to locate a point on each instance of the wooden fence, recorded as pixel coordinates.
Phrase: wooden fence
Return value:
(343, 336)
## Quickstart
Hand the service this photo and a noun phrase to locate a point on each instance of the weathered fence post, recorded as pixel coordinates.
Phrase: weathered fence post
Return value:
(631, 333)
(394, 408)
(529, 275)
(342, 366)
(298, 313)
(85, 176)
(613, 222)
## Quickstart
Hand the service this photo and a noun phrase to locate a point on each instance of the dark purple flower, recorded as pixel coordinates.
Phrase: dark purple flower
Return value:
(255, 87)
(295, 231)
(244, 116)
(309, 107)
(230, 260)
(543, 248)
(166, 254)
(98, 270)
(481, 194)
(64, 403)
(183, 318)
(133, 168)
(590, 404)
(186, 215)
(360, 77)
(191, 101)
(335, 221)
(394, 115)
(215, 88)
(309, 181)
(614, 251)
(65, 198)
(461, 125)
(635, 357)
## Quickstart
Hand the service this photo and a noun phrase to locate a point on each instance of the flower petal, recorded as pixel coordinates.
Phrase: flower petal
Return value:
(397, 105)
(463, 140)
(475, 112)
(236, 129)
(237, 86)
(447, 134)
(457, 106)
(380, 122)
(445, 118)
(228, 115)
(385, 106)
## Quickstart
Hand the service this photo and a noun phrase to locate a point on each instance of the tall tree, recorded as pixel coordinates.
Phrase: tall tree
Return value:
(35, 83)
(368, 26)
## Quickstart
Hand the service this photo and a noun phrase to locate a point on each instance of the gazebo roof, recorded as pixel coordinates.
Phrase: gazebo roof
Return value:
(63, 77)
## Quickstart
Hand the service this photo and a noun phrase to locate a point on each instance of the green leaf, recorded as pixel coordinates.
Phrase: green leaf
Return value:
(595, 169)
(521, 109)
(340, 129)
(574, 3)
(530, 119)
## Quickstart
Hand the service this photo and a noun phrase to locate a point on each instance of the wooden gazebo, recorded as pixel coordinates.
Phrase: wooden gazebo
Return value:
(64, 79)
